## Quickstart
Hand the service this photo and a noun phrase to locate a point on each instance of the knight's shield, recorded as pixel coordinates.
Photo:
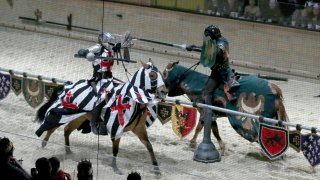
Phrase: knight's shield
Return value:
(310, 146)
(49, 88)
(208, 52)
(16, 84)
(274, 141)
(294, 139)
(164, 111)
(33, 91)
(5, 81)
(183, 120)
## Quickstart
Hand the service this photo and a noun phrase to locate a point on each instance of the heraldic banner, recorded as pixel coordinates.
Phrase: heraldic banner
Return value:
(164, 112)
(33, 91)
(5, 81)
(183, 120)
(273, 140)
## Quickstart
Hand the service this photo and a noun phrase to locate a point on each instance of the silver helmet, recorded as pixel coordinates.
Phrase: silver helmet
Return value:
(106, 37)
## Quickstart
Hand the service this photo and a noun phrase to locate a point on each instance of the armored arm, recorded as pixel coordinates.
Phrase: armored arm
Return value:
(194, 48)
(89, 53)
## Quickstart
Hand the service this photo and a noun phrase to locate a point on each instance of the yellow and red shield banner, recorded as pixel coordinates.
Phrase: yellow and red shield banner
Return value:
(274, 141)
(183, 120)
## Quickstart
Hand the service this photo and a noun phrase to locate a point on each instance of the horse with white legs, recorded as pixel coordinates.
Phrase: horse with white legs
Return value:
(255, 95)
(118, 108)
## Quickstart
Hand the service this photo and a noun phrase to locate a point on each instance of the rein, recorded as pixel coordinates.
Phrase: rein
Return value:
(183, 74)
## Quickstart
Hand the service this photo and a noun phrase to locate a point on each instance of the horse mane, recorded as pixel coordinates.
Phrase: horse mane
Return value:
(43, 109)
(194, 79)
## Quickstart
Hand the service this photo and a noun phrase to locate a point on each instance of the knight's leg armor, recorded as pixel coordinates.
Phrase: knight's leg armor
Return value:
(232, 84)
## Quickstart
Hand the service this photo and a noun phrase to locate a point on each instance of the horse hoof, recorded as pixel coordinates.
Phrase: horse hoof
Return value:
(117, 171)
(68, 150)
(44, 143)
(157, 172)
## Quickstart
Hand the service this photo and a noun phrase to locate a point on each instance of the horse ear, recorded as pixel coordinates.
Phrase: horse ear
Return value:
(145, 65)
(174, 63)
(150, 60)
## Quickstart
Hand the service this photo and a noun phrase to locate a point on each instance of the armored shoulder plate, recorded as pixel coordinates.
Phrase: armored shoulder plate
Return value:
(95, 48)
(223, 43)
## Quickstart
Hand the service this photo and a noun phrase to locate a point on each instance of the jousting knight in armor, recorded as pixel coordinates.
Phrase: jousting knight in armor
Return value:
(215, 54)
(106, 48)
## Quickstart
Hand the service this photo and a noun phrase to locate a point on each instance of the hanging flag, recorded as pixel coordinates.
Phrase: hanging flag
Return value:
(310, 146)
(273, 140)
(183, 119)
(16, 84)
(164, 111)
(294, 139)
(33, 91)
(49, 88)
(5, 80)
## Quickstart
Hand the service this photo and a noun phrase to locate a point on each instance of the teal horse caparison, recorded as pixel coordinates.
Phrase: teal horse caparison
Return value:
(255, 96)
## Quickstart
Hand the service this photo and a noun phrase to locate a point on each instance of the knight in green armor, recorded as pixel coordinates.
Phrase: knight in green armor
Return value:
(215, 54)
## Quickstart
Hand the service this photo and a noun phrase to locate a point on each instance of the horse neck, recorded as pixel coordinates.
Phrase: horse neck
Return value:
(193, 79)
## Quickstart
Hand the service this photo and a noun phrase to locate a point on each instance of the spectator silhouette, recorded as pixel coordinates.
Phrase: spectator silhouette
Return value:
(44, 169)
(134, 176)
(230, 8)
(303, 17)
(296, 17)
(316, 16)
(57, 173)
(9, 167)
(252, 11)
(85, 171)
(271, 13)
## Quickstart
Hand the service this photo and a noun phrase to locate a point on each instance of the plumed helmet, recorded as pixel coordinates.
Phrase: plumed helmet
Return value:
(106, 37)
(212, 31)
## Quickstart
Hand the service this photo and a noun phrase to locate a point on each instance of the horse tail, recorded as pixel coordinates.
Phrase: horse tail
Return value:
(282, 114)
(43, 109)
(281, 110)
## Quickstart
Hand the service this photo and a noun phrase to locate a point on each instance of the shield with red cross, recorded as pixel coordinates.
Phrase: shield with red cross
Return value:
(273, 140)
(120, 107)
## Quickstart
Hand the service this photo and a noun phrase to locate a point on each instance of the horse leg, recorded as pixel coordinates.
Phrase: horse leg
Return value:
(215, 131)
(141, 132)
(115, 150)
(69, 128)
(193, 141)
(46, 138)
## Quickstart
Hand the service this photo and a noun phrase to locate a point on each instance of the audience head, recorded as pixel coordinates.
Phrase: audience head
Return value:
(273, 4)
(6, 148)
(85, 171)
(134, 176)
(43, 167)
(316, 8)
(55, 164)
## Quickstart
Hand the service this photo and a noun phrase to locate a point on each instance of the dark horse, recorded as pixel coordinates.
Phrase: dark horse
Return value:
(255, 96)
(138, 93)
